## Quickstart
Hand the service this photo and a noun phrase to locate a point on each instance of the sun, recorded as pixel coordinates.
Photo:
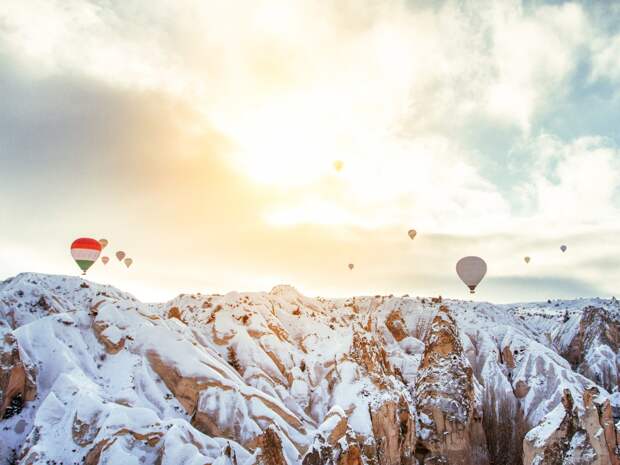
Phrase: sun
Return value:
(279, 146)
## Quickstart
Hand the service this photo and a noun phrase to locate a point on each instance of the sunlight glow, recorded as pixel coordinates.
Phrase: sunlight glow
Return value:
(285, 144)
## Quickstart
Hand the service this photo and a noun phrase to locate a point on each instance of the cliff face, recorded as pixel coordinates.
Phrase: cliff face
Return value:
(449, 415)
(572, 437)
(88, 374)
(591, 343)
(17, 376)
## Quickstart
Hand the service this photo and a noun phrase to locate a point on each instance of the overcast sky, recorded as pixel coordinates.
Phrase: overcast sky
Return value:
(199, 136)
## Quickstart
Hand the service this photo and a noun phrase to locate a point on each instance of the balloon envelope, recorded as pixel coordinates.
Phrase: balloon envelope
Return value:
(527, 259)
(338, 164)
(105, 260)
(128, 262)
(85, 252)
(351, 266)
(120, 255)
(471, 270)
(412, 233)
(103, 242)
(563, 248)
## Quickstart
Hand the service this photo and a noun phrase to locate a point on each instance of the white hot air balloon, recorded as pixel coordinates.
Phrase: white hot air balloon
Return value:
(471, 270)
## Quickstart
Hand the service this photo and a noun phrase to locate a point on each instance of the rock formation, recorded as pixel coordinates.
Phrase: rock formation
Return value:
(449, 416)
(17, 376)
(567, 436)
(90, 375)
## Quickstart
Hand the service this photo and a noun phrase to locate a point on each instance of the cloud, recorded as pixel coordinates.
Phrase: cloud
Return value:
(211, 128)
(528, 72)
(541, 288)
(386, 61)
(605, 66)
(573, 184)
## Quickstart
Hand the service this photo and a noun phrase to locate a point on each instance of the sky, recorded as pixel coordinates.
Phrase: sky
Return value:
(199, 136)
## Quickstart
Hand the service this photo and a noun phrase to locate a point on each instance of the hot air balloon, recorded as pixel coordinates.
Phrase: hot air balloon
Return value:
(563, 248)
(412, 233)
(338, 164)
(103, 242)
(471, 270)
(105, 260)
(527, 259)
(351, 266)
(120, 255)
(128, 262)
(85, 252)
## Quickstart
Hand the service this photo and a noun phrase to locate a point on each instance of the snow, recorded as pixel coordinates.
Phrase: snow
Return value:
(551, 422)
(298, 371)
(113, 334)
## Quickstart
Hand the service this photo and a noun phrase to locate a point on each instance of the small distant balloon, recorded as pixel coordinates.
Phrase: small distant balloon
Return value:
(471, 270)
(338, 164)
(103, 242)
(105, 260)
(85, 252)
(351, 266)
(563, 248)
(128, 262)
(527, 259)
(412, 233)
(120, 255)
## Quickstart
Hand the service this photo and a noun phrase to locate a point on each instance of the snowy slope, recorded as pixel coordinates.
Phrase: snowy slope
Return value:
(91, 375)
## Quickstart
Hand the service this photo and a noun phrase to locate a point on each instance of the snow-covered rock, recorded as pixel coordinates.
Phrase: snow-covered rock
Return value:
(448, 399)
(88, 374)
(573, 437)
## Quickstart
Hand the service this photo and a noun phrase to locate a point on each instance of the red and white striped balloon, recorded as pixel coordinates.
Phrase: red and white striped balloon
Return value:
(85, 251)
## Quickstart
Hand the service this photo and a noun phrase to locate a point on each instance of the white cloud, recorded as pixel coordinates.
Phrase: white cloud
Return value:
(384, 58)
(574, 184)
(384, 86)
(426, 182)
(605, 62)
(534, 55)
(294, 86)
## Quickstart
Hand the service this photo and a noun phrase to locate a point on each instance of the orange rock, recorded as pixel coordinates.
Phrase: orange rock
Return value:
(174, 312)
(111, 347)
(17, 381)
(271, 449)
(396, 324)
(521, 389)
(445, 398)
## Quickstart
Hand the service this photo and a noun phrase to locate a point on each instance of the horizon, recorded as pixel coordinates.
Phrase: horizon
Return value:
(224, 293)
(235, 145)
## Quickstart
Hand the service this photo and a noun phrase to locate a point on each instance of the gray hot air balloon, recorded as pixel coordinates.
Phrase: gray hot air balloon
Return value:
(471, 270)
(563, 248)
(527, 259)
(412, 233)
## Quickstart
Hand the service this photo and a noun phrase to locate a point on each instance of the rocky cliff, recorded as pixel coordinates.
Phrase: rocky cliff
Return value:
(88, 374)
